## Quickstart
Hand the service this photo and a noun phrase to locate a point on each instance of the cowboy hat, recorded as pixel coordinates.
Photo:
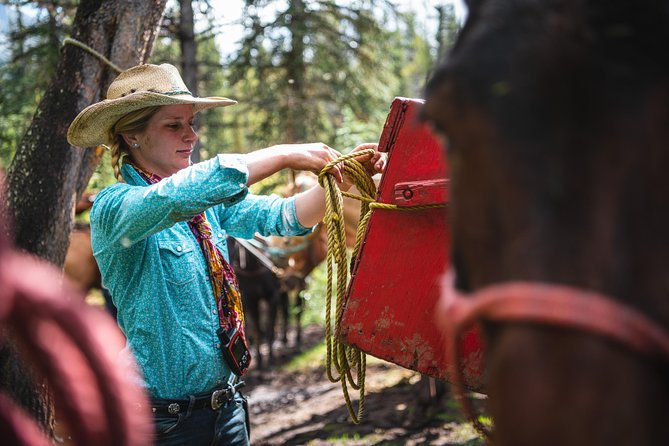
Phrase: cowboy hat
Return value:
(137, 87)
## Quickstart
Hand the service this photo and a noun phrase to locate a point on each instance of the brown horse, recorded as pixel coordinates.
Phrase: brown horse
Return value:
(556, 117)
(80, 266)
(297, 257)
(275, 273)
(262, 297)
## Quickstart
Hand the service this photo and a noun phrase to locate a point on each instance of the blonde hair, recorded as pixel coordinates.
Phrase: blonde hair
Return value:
(134, 122)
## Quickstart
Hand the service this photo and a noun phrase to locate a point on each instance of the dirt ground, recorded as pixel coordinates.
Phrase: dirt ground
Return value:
(303, 407)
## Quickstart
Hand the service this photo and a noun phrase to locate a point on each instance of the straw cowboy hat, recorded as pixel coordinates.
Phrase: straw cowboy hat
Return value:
(137, 87)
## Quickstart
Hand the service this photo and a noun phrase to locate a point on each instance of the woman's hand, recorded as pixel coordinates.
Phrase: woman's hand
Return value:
(312, 157)
(373, 163)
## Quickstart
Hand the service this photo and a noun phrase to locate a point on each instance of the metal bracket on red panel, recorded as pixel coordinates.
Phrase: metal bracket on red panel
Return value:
(421, 193)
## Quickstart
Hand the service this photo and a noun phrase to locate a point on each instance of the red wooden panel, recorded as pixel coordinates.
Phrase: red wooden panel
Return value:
(390, 303)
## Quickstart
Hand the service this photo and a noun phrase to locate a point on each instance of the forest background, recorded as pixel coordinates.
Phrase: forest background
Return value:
(328, 77)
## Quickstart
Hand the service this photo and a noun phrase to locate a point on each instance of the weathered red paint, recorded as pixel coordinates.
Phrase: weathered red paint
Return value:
(390, 303)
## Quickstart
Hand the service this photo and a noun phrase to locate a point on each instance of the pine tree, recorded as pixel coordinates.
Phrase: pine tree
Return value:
(311, 67)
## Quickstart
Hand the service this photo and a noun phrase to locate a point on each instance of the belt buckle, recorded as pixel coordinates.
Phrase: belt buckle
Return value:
(215, 402)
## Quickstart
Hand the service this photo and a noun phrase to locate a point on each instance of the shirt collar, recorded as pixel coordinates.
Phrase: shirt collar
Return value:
(131, 176)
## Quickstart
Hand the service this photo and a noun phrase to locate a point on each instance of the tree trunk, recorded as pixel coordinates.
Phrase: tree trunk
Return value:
(47, 173)
(189, 58)
(296, 72)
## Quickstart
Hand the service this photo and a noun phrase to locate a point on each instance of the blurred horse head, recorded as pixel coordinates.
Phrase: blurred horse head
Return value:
(554, 115)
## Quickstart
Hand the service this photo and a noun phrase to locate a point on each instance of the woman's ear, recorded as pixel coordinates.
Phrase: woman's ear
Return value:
(130, 139)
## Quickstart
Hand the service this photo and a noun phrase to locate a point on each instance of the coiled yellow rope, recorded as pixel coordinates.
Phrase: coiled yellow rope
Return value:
(342, 357)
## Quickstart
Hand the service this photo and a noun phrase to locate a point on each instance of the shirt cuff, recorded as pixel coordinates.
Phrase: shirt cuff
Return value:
(290, 221)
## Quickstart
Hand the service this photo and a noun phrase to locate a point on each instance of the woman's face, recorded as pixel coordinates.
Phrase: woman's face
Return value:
(167, 143)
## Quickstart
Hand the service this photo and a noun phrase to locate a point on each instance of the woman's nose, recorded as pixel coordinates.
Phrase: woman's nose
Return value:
(190, 135)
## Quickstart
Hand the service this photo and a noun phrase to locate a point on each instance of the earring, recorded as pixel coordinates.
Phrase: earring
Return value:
(135, 145)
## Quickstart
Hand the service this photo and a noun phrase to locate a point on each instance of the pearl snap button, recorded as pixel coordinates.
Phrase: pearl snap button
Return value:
(179, 248)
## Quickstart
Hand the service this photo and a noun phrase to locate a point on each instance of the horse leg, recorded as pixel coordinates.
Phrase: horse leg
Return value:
(251, 303)
(284, 302)
(430, 393)
(260, 333)
(299, 306)
(271, 324)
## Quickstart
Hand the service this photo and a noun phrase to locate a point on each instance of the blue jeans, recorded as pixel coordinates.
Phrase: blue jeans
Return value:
(225, 426)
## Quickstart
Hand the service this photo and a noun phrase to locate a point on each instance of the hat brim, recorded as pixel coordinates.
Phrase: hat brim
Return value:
(91, 127)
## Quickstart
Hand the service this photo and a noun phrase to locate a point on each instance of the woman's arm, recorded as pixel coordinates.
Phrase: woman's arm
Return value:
(309, 205)
(127, 213)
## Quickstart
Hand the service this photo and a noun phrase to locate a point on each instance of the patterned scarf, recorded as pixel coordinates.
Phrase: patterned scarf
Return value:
(223, 279)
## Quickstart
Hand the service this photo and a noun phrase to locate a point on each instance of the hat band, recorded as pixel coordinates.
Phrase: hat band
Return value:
(174, 92)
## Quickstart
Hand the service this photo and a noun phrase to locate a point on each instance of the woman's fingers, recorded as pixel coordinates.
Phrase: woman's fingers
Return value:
(379, 161)
(329, 155)
(374, 163)
(365, 146)
(337, 172)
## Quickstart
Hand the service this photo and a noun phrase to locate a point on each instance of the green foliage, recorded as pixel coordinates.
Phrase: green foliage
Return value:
(308, 359)
(314, 296)
(448, 29)
(345, 439)
(412, 58)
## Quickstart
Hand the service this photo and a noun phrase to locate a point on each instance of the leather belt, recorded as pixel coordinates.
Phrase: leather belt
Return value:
(212, 400)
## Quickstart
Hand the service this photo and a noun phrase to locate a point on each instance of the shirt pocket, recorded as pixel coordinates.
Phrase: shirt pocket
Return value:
(179, 262)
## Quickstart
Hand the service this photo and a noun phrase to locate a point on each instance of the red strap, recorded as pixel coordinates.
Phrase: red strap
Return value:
(546, 304)
(558, 305)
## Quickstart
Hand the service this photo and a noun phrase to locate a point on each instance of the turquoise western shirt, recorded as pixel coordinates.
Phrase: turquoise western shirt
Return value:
(156, 272)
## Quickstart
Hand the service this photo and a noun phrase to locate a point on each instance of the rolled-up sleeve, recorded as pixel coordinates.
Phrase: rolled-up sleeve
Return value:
(266, 215)
(127, 213)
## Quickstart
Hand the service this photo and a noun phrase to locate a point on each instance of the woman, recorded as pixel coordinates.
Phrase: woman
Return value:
(159, 236)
